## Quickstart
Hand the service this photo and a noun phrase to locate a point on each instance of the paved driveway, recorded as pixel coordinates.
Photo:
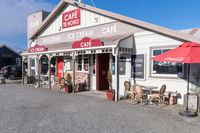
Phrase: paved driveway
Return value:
(24, 109)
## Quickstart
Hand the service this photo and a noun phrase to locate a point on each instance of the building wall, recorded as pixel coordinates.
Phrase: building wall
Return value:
(87, 19)
(8, 57)
(144, 41)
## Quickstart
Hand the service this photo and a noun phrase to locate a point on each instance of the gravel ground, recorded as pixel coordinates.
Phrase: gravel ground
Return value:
(24, 109)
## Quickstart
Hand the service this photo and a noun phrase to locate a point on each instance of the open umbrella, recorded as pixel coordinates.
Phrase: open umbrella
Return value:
(188, 52)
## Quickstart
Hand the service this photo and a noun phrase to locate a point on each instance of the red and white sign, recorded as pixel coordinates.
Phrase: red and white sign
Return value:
(71, 18)
(37, 48)
(87, 43)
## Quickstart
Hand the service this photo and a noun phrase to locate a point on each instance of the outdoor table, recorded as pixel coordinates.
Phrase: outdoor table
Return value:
(149, 88)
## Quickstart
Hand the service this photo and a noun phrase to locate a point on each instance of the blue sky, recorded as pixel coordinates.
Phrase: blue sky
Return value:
(174, 14)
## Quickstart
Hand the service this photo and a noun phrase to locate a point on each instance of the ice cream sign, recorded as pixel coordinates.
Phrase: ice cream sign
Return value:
(37, 48)
(71, 18)
(87, 43)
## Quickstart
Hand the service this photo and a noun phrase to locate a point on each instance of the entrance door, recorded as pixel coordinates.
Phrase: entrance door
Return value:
(102, 69)
(60, 67)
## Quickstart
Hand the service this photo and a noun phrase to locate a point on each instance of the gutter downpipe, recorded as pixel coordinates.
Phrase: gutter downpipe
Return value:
(117, 65)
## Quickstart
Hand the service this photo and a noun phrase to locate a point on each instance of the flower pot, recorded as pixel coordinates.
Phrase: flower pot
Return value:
(110, 95)
(68, 88)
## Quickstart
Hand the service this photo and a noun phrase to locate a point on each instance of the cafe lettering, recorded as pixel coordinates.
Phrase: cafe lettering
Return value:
(87, 43)
(71, 18)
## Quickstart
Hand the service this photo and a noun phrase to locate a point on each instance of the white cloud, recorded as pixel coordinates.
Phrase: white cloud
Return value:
(13, 14)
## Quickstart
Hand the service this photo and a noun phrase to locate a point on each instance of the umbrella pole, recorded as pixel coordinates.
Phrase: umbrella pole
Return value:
(188, 80)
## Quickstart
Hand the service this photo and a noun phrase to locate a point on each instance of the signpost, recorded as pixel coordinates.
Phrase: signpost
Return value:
(138, 66)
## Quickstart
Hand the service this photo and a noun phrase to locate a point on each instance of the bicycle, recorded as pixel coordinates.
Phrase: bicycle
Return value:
(41, 81)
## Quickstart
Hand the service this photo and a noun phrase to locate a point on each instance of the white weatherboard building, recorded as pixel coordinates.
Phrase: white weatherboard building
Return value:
(86, 42)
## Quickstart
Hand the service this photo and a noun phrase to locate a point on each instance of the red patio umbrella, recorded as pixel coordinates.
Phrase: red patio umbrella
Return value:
(188, 52)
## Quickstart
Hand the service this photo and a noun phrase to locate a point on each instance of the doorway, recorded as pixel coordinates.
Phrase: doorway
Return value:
(102, 69)
(60, 64)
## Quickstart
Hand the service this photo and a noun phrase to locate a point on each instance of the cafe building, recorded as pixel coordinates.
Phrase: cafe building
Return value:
(87, 42)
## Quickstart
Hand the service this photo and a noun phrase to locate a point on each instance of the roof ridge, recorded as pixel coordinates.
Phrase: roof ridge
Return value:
(193, 31)
(127, 20)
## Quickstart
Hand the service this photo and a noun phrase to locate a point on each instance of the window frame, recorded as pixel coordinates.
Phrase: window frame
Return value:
(151, 74)
(18, 61)
(83, 62)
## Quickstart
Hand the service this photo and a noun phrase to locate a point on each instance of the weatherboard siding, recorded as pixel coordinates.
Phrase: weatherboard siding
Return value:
(88, 19)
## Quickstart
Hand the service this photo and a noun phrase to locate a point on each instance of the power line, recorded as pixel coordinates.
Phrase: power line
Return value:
(93, 3)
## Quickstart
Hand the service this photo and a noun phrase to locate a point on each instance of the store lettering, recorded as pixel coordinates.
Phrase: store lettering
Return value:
(85, 44)
(51, 39)
(80, 34)
(34, 24)
(37, 48)
(71, 18)
(109, 29)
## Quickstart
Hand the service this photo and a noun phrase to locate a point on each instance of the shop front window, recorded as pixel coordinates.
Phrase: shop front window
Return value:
(32, 66)
(32, 62)
(18, 61)
(44, 65)
(165, 68)
(83, 62)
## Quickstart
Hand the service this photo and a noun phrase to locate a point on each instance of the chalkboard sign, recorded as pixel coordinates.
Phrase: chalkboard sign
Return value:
(138, 62)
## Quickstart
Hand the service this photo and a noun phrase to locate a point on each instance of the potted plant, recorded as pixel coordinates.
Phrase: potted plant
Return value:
(111, 92)
(68, 88)
(193, 97)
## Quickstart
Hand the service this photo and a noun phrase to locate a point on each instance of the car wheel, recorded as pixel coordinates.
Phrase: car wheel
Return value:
(11, 77)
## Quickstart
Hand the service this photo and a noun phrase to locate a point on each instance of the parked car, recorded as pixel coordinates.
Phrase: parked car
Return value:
(11, 72)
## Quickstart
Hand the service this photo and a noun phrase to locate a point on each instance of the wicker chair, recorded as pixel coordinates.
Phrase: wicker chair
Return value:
(158, 97)
(56, 82)
(139, 95)
(127, 91)
(62, 83)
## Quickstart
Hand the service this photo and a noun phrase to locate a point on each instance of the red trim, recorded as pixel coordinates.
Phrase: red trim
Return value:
(37, 48)
(60, 67)
(86, 42)
(71, 18)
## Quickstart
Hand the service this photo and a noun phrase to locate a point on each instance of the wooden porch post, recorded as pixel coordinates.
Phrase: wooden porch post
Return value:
(117, 74)
(23, 70)
(74, 69)
(49, 74)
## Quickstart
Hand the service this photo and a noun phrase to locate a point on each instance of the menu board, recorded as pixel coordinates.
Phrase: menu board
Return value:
(138, 66)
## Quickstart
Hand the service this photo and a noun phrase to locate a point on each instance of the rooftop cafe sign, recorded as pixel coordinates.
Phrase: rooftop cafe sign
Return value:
(87, 43)
(37, 48)
(71, 18)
